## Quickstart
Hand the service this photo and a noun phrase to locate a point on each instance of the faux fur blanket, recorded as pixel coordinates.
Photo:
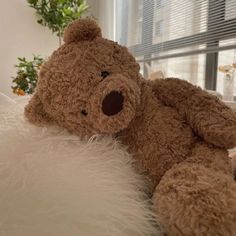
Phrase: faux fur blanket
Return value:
(54, 184)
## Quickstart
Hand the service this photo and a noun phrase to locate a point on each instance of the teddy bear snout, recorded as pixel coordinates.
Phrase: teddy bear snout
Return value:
(112, 104)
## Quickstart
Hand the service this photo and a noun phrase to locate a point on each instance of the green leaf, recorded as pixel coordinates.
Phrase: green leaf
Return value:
(27, 74)
(57, 14)
(33, 2)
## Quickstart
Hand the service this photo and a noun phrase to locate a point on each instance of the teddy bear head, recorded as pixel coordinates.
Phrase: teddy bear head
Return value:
(89, 85)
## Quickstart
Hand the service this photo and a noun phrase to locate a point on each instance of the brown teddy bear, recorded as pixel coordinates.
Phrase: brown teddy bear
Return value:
(177, 133)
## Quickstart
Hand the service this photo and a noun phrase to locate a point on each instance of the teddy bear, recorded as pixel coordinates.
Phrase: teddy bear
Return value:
(177, 133)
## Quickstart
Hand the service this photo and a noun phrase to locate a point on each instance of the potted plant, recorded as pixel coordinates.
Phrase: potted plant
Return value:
(56, 15)
(27, 75)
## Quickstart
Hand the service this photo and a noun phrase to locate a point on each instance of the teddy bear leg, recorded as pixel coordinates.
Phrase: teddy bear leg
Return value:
(195, 200)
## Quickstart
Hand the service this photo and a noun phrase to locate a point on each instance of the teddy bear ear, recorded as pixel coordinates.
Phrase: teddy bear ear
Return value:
(35, 113)
(82, 30)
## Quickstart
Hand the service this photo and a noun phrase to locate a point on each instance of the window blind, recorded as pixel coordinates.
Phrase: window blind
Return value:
(161, 29)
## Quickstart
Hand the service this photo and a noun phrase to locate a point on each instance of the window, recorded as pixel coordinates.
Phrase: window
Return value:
(184, 38)
(158, 28)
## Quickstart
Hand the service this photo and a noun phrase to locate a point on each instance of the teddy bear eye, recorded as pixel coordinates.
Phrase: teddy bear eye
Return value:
(84, 113)
(104, 74)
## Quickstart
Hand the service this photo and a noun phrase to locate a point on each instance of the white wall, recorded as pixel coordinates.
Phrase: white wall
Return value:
(20, 36)
(103, 11)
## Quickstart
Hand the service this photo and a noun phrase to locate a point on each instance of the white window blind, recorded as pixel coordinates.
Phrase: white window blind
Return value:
(160, 32)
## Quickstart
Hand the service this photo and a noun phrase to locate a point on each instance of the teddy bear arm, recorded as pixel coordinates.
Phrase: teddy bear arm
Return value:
(206, 114)
(194, 200)
(197, 194)
(34, 111)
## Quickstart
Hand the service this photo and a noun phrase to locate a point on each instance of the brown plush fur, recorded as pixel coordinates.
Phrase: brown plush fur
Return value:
(177, 133)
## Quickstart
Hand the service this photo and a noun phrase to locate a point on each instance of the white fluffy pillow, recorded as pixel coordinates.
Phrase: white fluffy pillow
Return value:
(53, 184)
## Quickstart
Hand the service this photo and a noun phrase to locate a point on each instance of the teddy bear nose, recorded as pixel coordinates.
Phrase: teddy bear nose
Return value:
(112, 103)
